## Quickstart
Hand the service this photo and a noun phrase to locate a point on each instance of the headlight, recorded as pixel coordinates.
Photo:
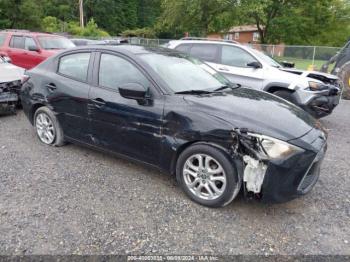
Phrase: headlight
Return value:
(315, 86)
(273, 148)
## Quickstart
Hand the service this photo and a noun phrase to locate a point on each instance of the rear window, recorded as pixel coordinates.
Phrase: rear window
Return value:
(54, 42)
(2, 39)
(17, 42)
(75, 66)
(205, 52)
(185, 48)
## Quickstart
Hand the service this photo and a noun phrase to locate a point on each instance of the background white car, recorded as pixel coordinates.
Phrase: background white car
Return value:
(318, 93)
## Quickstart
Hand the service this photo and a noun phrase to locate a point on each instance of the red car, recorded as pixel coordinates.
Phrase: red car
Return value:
(28, 49)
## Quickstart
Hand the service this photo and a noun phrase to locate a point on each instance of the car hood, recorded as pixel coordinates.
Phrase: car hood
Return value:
(324, 77)
(257, 111)
(10, 72)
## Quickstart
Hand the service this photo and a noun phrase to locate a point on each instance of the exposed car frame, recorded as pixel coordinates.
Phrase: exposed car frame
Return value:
(10, 85)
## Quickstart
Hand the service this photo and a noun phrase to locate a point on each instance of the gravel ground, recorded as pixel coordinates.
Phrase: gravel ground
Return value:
(72, 200)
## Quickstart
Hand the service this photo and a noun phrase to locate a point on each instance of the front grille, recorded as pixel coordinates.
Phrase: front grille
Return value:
(312, 174)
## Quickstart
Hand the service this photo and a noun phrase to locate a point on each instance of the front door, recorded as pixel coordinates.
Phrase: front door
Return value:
(31, 58)
(233, 64)
(123, 125)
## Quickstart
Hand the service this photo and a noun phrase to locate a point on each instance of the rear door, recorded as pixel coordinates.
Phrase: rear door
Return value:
(233, 63)
(67, 92)
(16, 50)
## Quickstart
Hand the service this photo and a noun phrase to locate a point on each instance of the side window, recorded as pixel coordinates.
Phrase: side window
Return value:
(185, 48)
(235, 56)
(116, 71)
(2, 39)
(205, 52)
(75, 66)
(17, 42)
(29, 42)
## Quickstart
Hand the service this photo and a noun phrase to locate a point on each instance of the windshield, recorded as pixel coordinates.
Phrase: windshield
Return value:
(267, 59)
(183, 73)
(53, 42)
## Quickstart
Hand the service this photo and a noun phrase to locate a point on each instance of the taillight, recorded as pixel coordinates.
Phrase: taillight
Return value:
(24, 79)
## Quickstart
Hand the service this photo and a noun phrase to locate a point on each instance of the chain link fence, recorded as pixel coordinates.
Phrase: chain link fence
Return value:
(304, 57)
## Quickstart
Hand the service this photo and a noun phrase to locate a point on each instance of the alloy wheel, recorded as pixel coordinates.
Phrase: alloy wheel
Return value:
(45, 128)
(204, 176)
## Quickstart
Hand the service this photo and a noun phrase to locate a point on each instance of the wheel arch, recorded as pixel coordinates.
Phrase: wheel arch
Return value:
(273, 87)
(184, 146)
(34, 108)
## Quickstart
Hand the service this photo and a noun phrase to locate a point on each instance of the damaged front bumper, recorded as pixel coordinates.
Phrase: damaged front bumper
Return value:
(319, 103)
(281, 179)
(9, 98)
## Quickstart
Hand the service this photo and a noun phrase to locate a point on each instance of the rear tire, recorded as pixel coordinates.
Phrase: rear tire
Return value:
(344, 76)
(47, 127)
(207, 175)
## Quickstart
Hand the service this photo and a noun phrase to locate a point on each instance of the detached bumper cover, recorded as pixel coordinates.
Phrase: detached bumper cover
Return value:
(319, 103)
(296, 176)
(9, 96)
(8, 102)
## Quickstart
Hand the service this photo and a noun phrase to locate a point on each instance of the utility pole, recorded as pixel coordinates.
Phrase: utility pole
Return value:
(81, 12)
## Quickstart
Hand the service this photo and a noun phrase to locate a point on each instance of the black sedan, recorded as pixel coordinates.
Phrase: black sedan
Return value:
(173, 112)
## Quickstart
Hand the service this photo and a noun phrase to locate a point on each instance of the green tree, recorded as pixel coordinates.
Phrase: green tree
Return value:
(197, 16)
(19, 14)
(50, 24)
(147, 12)
(309, 22)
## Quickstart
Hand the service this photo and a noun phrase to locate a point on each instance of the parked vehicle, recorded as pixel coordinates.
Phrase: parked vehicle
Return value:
(10, 84)
(83, 42)
(317, 93)
(341, 67)
(173, 112)
(27, 49)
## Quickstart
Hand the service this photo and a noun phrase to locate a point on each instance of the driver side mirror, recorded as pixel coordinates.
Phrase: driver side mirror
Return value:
(254, 64)
(134, 91)
(33, 48)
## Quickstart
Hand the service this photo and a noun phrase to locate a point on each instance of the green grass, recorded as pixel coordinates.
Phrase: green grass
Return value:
(302, 63)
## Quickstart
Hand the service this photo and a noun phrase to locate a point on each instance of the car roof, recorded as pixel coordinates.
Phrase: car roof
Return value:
(28, 33)
(124, 48)
(215, 42)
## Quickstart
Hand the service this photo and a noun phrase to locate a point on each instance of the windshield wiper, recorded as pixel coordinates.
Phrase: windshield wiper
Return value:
(226, 86)
(193, 92)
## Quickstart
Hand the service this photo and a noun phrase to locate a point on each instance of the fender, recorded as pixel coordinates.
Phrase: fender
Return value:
(235, 159)
(271, 87)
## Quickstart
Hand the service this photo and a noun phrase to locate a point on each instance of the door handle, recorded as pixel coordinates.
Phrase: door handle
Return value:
(224, 69)
(52, 87)
(99, 102)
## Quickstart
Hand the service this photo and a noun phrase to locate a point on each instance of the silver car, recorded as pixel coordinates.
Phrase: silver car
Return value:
(316, 92)
(10, 84)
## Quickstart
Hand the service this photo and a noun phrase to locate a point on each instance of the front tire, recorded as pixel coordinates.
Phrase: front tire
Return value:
(207, 175)
(47, 127)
